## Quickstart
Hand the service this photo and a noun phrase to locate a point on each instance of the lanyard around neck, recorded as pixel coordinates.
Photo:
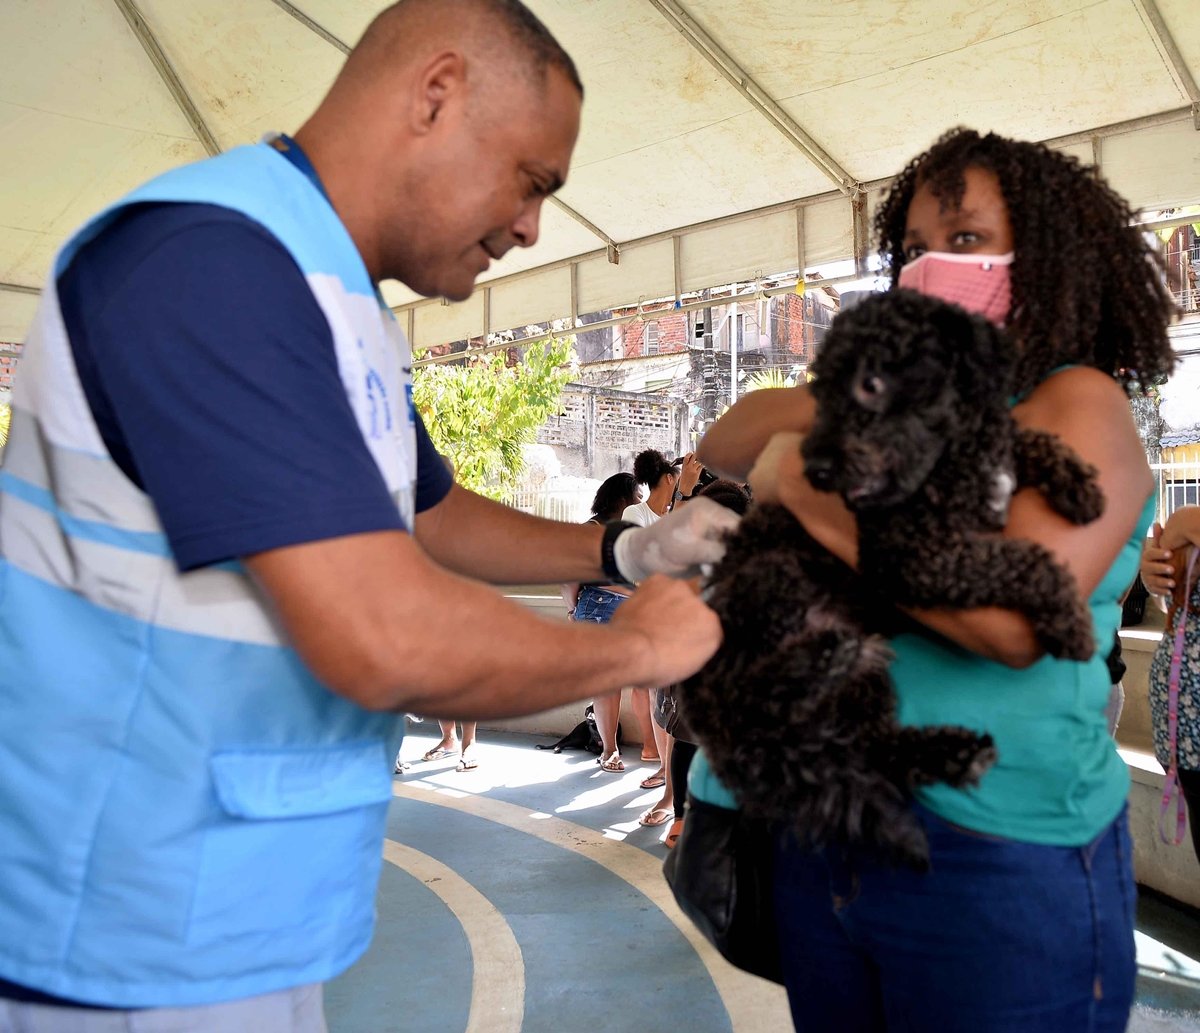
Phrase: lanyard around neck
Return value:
(294, 153)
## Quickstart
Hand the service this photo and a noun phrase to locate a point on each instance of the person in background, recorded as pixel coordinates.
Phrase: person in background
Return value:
(1024, 919)
(1164, 567)
(666, 482)
(596, 602)
(449, 746)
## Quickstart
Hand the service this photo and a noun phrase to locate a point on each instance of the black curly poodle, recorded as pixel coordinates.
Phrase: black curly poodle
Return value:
(796, 711)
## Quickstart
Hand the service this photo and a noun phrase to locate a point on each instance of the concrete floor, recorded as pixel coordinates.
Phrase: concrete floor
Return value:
(524, 897)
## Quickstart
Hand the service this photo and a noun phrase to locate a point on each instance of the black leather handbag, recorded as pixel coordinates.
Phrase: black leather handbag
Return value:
(720, 871)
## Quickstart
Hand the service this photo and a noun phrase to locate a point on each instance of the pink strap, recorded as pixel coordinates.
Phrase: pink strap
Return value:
(1171, 784)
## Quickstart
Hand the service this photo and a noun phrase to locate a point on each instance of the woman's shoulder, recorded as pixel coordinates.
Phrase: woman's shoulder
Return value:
(1088, 409)
(1072, 389)
(636, 514)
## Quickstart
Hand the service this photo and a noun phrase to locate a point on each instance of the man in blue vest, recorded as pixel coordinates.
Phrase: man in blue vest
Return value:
(230, 557)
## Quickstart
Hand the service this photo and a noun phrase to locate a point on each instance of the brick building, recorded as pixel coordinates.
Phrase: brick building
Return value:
(10, 353)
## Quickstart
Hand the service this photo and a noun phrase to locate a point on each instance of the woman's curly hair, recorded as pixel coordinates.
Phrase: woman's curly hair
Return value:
(1087, 288)
(650, 467)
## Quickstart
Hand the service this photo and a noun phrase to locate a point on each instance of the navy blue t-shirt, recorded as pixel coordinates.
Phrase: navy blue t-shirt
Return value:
(211, 373)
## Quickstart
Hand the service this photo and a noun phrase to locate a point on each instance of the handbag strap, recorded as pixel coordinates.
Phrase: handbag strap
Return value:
(1171, 788)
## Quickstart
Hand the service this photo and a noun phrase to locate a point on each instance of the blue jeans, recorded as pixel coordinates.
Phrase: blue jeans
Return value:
(998, 937)
(597, 605)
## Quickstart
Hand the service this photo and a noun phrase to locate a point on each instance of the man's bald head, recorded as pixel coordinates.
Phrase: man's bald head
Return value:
(449, 125)
(500, 34)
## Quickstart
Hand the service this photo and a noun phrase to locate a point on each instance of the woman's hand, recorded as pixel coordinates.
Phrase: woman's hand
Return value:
(1156, 569)
(731, 445)
(689, 474)
(777, 465)
(1183, 528)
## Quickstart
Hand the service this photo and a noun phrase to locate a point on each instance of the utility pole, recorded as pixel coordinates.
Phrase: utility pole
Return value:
(708, 367)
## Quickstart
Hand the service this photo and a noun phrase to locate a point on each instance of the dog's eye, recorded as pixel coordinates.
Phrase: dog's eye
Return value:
(871, 392)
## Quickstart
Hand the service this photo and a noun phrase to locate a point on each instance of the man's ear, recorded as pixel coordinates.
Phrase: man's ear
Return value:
(440, 83)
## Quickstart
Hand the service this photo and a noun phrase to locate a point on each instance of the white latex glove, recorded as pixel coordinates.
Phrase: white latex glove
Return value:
(678, 544)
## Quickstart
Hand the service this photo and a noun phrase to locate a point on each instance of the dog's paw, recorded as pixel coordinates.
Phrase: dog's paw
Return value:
(1085, 503)
(1067, 634)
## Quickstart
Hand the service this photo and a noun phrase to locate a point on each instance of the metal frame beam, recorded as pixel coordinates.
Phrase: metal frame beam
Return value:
(763, 102)
(18, 288)
(311, 25)
(1166, 43)
(611, 246)
(166, 71)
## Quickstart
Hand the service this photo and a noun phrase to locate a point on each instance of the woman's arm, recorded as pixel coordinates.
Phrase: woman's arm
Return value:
(1089, 412)
(734, 442)
(1180, 535)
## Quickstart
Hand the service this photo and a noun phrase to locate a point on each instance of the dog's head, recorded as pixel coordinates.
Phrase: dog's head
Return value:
(899, 377)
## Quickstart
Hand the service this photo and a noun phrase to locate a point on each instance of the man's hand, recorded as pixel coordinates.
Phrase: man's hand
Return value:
(681, 631)
(678, 544)
(1157, 570)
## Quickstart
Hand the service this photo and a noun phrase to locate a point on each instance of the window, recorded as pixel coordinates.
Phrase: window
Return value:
(651, 338)
(1180, 493)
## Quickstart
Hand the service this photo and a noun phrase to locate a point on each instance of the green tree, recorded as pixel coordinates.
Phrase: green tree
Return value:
(480, 414)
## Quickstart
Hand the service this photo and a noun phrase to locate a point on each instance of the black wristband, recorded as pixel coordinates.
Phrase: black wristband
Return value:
(608, 559)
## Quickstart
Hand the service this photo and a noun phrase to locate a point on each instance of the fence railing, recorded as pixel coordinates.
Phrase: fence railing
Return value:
(1187, 299)
(1178, 485)
(572, 505)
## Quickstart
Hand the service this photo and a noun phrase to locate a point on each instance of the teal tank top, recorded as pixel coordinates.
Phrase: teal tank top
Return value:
(1058, 778)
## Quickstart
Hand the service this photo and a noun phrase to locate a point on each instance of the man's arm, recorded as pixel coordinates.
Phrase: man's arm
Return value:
(379, 622)
(474, 536)
(478, 538)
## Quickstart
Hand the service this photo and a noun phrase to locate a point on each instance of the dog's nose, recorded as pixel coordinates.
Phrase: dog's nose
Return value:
(820, 472)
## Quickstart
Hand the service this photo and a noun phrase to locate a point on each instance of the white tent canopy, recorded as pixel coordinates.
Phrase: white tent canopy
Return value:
(722, 140)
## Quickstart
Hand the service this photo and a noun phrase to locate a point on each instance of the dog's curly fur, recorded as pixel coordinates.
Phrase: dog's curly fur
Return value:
(796, 711)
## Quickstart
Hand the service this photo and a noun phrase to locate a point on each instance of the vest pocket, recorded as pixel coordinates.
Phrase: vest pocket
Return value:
(294, 844)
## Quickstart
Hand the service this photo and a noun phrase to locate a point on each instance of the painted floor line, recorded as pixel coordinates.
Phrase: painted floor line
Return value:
(497, 965)
(752, 1004)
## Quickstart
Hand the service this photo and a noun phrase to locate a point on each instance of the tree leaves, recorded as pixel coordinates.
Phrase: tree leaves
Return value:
(481, 413)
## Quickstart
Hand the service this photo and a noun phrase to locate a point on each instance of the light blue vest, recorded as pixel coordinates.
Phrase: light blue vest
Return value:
(187, 815)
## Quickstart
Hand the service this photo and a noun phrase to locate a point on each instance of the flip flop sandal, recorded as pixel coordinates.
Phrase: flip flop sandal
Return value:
(657, 816)
(613, 764)
(467, 764)
(672, 837)
(653, 782)
(438, 753)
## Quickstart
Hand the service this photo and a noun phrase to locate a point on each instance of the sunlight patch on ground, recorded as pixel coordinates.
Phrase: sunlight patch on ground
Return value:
(1158, 957)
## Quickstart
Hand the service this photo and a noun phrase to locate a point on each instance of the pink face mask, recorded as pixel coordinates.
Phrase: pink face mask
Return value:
(979, 283)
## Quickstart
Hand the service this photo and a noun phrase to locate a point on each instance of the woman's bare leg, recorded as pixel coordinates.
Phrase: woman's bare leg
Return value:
(608, 714)
(640, 698)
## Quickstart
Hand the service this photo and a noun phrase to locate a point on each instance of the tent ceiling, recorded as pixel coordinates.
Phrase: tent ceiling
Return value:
(721, 138)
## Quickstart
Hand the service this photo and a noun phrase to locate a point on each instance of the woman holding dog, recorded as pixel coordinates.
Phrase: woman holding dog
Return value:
(1025, 919)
